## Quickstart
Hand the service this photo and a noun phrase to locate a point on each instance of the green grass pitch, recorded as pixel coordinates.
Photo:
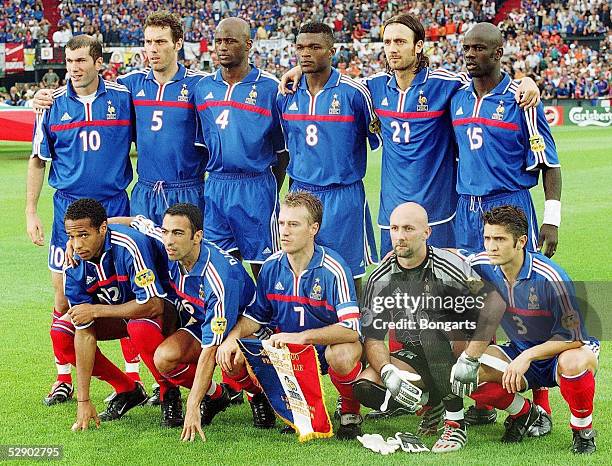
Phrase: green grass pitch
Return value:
(27, 368)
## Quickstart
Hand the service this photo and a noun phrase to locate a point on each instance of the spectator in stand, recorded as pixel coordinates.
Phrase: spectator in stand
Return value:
(50, 79)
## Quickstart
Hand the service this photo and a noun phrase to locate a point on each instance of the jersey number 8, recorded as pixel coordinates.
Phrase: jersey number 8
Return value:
(311, 135)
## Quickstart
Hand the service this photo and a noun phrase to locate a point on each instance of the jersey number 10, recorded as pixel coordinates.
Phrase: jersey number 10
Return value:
(90, 140)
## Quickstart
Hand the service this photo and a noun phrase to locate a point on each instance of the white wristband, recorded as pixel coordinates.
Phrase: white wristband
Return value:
(552, 212)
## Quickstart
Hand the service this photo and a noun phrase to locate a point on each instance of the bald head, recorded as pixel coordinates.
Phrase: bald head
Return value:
(410, 212)
(234, 27)
(409, 231)
(486, 33)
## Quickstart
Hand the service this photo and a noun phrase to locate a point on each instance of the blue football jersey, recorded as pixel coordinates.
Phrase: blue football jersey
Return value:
(166, 123)
(501, 146)
(214, 293)
(326, 133)
(131, 268)
(239, 123)
(324, 294)
(541, 303)
(88, 144)
(419, 153)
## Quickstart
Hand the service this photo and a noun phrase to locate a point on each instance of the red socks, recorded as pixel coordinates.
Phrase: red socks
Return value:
(132, 360)
(182, 375)
(540, 398)
(244, 382)
(61, 330)
(231, 383)
(344, 385)
(493, 394)
(146, 336)
(579, 391)
(63, 345)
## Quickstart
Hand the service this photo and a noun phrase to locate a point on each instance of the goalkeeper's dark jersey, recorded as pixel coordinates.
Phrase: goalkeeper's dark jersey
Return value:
(444, 292)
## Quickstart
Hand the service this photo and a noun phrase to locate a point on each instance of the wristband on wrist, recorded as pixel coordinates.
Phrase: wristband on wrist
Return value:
(84, 401)
(552, 212)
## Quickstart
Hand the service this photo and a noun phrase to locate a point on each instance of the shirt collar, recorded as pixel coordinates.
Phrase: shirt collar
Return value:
(526, 268)
(199, 268)
(419, 79)
(333, 81)
(180, 74)
(252, 75)
(317, 259)
(100, 90)
(500, 89)
(395, 267)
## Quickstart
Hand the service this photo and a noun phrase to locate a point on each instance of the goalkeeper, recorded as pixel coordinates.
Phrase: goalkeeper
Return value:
(410, 292)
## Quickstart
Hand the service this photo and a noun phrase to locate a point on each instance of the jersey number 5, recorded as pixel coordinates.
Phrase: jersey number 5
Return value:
(475, 137)
(156, 120)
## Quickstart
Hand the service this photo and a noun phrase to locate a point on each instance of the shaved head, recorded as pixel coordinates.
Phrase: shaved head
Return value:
(410, 212)
(483, 51)
(409, 231)
(486, 33)
(235, 26)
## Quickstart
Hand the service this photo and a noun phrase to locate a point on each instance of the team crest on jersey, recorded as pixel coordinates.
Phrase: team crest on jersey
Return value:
(316, 291)
(374, 126)
(422, 107)
(570, 320)
(536, 142)
(474, 284)
(533, 300)
(252, 97)
(111, 113)
(499, 111)
(184, 94)
(334, 108)
(144, 278)
(201, 291)
(218, 325)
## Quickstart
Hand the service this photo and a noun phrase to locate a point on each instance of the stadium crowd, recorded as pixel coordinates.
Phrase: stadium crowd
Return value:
(541, 37)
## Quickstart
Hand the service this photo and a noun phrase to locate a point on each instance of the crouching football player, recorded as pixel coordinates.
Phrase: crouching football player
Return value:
(307, 292)
(212, 289)
(548, 343)
(418, 270)
(117, 288)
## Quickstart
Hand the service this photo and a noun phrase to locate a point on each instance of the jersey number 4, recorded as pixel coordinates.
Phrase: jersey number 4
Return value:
(223, 118)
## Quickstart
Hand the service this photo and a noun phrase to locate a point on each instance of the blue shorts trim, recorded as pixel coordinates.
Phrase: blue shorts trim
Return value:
(152, 198)
(347, 223)
(242, 214)
(116, 206)
(194, 329)
(469, 227)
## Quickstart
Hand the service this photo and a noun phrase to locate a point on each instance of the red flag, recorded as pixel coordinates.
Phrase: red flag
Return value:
(14, 61)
